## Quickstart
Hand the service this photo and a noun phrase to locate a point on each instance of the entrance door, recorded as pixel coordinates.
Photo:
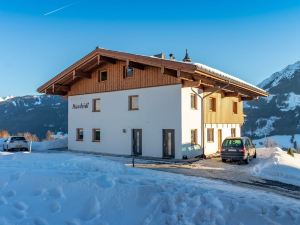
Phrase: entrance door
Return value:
(137, 141)
(219, 140)
(169, 143)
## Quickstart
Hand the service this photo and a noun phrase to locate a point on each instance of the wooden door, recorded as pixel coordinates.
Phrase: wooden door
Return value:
(219, 140)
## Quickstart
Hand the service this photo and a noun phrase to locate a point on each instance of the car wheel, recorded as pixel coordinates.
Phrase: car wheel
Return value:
(254, 157)
(247, 160)
(223, 160)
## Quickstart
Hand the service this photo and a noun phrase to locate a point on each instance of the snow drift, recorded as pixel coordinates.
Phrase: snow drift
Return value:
(276, 164)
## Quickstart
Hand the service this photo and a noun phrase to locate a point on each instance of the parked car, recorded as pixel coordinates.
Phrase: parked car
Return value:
(238, 149)
(15, 143)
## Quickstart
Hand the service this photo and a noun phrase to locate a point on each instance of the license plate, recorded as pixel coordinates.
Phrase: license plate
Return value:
(19, 146)
(231, 150)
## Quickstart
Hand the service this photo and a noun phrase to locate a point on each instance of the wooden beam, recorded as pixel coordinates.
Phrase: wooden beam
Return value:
(231, 94)
(249, 98)
(61, 87)
(170, 72)
(108, 59)
(162, 70)
(186, 83)
(80, 74)
(137, 65)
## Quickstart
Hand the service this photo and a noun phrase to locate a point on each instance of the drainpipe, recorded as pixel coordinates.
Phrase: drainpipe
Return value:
(202, 112)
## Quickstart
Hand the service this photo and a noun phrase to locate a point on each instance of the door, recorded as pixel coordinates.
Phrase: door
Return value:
(219, 140)
(137, 141)
(168, 143)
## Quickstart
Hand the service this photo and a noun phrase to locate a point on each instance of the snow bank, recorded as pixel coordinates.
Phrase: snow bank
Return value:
(60, 143)
(76, 189)
(276, 164)
(283, 141)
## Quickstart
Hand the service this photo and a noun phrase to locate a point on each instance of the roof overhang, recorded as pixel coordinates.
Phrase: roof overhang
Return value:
(187, 72)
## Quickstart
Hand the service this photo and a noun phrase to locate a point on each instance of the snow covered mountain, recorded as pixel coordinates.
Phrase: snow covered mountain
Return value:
(34, 114)
(278, 114)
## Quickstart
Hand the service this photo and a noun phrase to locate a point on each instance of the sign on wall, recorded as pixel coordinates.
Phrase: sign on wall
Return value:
(81, 106)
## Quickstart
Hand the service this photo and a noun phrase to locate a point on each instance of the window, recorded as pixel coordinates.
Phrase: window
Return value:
(212, 104)
(210, 135)
(194, 137)
(133, 102)
(102, 76)
(96, 105)
(96, 135)
(194, 104)
(235, 107)
(233, 134)
(79, 134)
(127, 71)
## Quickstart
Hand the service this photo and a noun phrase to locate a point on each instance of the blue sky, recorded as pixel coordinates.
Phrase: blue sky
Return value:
(250, 39)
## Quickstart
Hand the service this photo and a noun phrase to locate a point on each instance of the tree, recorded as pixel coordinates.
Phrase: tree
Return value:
(30, 137)
(292, 140)
(4, 134)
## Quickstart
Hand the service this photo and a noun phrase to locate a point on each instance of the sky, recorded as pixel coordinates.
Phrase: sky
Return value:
(250, 39)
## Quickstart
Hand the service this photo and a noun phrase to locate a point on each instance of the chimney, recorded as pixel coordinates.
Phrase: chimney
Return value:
(160, 55)
(172, 57)
(187, 57)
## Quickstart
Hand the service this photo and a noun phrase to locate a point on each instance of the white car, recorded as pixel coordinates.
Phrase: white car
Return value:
(15, 143)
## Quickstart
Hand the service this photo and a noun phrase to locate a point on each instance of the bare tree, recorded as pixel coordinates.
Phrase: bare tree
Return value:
(49, 135)
(4, 134)
(30, 137)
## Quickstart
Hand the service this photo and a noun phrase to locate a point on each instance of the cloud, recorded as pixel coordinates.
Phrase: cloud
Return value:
(59, 9)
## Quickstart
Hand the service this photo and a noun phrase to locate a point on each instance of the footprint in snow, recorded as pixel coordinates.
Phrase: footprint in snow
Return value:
(56, 193)
(19, 214)
(40, 221)
(39, 192)
(16, 176)
(3, 201)
(10, 193)
(3, 184)
(73, 222)
(20, 206)
(91, 209)
(55, 207)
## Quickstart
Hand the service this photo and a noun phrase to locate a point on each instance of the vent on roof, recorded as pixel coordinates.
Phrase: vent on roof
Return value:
(160, 55)
(172, 57)
(187, 57)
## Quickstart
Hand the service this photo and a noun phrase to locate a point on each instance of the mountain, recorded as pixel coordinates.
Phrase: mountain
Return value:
(34, 114)
(278, 114)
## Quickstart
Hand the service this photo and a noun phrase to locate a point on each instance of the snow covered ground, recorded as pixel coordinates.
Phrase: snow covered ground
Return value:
(73, 189)
(283, 141)
(276, 164)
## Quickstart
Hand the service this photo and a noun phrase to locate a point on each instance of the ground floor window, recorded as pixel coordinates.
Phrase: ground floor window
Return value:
(233, 132)
(79, 134)
(194, 137)
(96, 135)
(210, 135)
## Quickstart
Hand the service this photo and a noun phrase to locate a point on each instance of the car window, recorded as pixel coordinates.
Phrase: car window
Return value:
(248, 143)
(18, 139)
(232, 143)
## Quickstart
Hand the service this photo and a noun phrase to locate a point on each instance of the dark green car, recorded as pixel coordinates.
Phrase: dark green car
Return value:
(238, 149)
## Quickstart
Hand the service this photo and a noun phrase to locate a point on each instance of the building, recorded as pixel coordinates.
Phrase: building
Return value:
(121, 103)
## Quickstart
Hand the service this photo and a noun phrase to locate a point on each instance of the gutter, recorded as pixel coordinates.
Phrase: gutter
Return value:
(202, 113)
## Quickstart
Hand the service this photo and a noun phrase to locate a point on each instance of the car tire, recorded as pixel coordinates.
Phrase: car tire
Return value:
(247, 160)
(223, 160)
(254, 157)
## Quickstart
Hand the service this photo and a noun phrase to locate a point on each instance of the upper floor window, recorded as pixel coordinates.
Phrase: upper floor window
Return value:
(102, 76)
(210, 135)
(212, 104)
(194, 104)
(194, 137)
(96, 135)
(235, 107)
(96, 105)
(79, 134)
(127, 71)
(233, 132)
(133, 102)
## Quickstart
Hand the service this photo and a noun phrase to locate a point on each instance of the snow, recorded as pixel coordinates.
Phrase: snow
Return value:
(282, 141)
(265, 126)
(293, 100)
(3, 99)
(77, 189)
(276, 164)
(226, 75)
(286, 73)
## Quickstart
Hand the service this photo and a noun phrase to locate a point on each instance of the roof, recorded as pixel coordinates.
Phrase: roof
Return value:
(197, 71)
